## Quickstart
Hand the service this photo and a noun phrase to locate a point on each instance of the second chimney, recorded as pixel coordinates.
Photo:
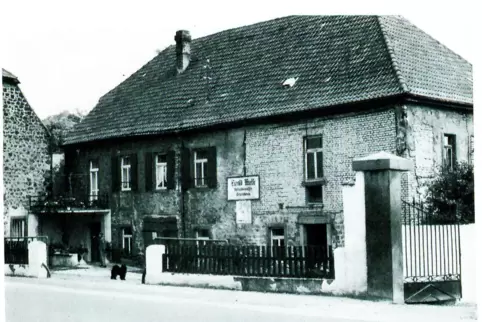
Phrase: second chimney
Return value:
(183, 50)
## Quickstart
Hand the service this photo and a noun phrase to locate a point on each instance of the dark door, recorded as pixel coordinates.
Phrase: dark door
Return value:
(316, 250)
(316, 235)
(94, 237)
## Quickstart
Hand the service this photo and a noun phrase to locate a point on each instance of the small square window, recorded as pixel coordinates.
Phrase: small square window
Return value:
(18, 228)
(202, 234)
(277, 237)
(314, 194)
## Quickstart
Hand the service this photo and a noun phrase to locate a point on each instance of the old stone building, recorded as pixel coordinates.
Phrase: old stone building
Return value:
(289, 103)
(26, 157)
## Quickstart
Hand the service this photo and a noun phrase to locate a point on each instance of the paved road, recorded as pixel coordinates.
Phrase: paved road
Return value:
(121, 301)
(29, 300)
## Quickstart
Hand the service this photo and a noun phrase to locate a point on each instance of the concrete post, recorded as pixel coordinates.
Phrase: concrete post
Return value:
(32, 225)
(382, 174)
(37, 255)
(355, 236)
(154, 263)
(106, 227)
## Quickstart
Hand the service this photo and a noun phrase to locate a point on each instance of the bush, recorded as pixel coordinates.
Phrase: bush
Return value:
(451, 193)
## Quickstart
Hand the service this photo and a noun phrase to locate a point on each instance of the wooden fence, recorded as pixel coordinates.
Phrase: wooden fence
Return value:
(269, 261)
(16, 249)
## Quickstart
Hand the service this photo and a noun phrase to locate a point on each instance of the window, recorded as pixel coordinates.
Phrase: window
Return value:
(18, 228)
(200, 168)
(277, 241)
(202, 234)
(313, 158)
(127, 240)
(94, 180)
(126, 174)
(278, 237)
(314, 194)
(161, 171)
(449, 151)
(314, 169)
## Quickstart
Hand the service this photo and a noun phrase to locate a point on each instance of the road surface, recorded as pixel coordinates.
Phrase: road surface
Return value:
(72, 300)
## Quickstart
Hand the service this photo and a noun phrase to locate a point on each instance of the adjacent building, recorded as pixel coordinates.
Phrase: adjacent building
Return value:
(248, 134)
(26, 158)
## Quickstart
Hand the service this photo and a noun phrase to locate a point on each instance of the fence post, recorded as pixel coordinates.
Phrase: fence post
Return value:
(154, 261)
(382, 174)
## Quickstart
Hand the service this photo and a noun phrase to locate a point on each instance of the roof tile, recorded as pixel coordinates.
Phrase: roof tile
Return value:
(337, 59)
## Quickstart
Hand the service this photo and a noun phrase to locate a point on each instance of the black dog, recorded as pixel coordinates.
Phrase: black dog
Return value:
(120, 271)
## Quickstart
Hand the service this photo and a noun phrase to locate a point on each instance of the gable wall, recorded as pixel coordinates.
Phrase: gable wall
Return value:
(425, 131)
(26, 159)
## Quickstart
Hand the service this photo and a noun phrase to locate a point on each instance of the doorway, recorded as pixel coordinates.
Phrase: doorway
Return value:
(95, 242)
(316, 235)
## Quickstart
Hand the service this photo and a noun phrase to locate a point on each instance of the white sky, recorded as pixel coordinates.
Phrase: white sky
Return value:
(67, 56)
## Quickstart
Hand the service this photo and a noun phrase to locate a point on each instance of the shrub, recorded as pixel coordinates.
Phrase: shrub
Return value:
(451, 193)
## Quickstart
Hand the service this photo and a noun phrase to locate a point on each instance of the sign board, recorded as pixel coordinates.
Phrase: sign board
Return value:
(243, 188)
(243, 212)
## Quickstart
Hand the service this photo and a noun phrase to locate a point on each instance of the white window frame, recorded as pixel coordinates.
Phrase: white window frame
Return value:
(94, 177)
(451, 148)
(161, 184)
(200, 181)
(313, 151)
(127, 237)
(275, 239)
(18, 227)
(201, 238)
(127, 177)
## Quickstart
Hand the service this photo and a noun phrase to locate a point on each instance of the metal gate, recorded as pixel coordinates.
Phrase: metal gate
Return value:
(431, 261)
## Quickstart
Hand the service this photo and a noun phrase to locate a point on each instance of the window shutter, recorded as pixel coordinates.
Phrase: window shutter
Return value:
(134, 178)
(186, 180)
(171, 168)
(212, 171)
(115, 173)
(149, 171)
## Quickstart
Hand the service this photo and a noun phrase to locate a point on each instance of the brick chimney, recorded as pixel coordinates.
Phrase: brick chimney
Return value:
(183, 50)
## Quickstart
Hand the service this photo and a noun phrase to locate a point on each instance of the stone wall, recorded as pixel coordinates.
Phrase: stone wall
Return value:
(425, 131)
(26, 158)
(274, 152)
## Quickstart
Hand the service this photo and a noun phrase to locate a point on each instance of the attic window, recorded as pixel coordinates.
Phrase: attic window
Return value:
(290, 82)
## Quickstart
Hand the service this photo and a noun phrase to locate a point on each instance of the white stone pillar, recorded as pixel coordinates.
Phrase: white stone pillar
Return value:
(37, 255)
(32, 225)
(154, 263)
(107, 227)
(355, 236)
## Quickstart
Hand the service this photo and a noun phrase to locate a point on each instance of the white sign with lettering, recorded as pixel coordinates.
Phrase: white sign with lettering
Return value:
(243, 212)
(243, 188)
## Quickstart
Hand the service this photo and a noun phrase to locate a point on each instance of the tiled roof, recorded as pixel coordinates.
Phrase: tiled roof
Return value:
(8, 75)
(337, 60)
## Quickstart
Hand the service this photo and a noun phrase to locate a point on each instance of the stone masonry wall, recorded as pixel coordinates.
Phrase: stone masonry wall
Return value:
(26, 159)
(274, 152)
(426, 128)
